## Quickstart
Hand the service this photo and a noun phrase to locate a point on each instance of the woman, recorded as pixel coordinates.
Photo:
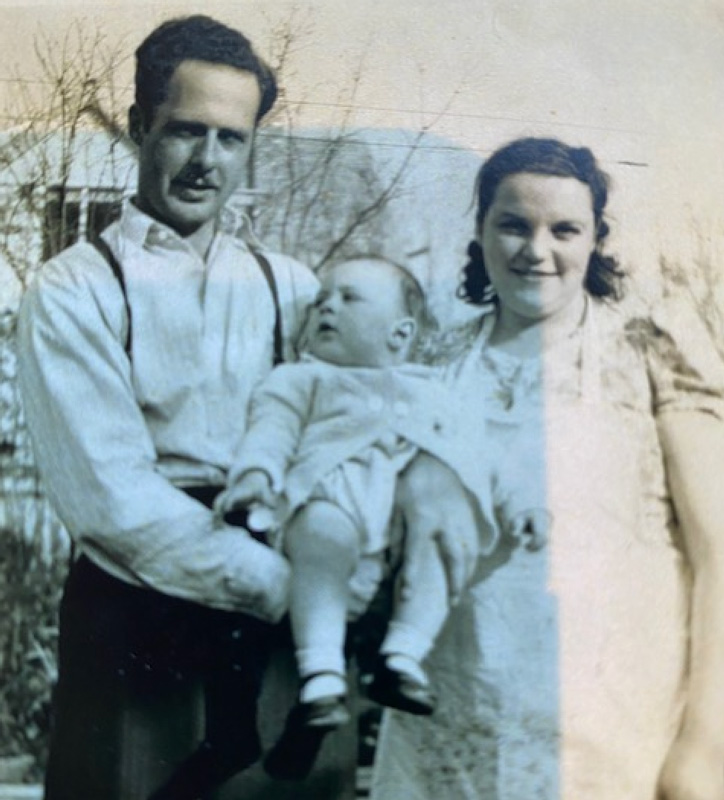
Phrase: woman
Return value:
(590, 668)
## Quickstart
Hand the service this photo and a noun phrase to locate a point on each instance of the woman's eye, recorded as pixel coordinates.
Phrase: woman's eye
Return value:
(565, 231)
(514, 226)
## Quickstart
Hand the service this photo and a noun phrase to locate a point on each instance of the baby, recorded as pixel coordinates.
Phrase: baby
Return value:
(326, 441)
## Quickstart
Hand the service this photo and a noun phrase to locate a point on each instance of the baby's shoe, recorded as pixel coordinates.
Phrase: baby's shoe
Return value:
(400, 682)
(322, 701)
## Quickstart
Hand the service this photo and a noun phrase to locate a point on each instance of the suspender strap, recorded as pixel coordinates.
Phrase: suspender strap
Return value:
(102, 246)
(266, 269)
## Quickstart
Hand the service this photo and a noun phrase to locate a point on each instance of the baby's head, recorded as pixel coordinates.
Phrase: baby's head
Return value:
(367, 314)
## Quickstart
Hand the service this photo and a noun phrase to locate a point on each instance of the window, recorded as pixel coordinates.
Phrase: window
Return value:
(71, 215)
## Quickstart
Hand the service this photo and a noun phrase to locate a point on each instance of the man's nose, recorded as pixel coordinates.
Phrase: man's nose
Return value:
(206, 151)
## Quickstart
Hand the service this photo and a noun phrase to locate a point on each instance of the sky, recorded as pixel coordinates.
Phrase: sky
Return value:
(641, 83)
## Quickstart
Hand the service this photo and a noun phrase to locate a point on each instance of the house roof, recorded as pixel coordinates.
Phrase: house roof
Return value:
(96, 158)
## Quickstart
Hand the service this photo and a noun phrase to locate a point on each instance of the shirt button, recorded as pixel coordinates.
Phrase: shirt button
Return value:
(376, 403)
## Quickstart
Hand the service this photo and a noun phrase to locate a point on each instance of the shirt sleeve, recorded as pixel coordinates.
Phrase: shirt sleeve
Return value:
(685, 370)
(97, 458)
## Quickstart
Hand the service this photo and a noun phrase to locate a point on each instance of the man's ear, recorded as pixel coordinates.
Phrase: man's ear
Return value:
(402, 333)
(136, 124)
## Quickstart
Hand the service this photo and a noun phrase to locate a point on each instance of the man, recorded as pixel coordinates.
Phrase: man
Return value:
(136, 386)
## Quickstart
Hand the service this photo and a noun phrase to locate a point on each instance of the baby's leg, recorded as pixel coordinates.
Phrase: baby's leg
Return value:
(322, 544)
(419, 614)
(424, 593)
(421, 605)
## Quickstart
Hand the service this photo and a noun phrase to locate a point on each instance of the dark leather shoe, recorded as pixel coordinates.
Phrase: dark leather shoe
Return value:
(294, 754)
(207, 769)
(397, 690)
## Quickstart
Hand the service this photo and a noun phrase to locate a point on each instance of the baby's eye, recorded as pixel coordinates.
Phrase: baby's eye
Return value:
(350, 297)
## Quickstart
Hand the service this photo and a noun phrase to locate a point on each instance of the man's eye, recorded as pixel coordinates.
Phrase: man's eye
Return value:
(185, 131)
(231, 137)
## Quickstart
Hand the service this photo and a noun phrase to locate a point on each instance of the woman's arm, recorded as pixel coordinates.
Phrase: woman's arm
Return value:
(693, 446)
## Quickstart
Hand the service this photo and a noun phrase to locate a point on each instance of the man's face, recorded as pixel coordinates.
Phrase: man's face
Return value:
(193, 154)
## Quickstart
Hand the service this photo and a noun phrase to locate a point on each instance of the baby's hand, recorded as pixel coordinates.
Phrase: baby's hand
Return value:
(532, 526)
(253, 488)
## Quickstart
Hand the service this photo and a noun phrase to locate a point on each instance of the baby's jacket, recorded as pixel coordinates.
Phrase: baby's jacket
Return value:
(307, 418)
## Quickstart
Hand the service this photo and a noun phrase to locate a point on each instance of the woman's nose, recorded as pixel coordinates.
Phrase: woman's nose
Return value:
(536, 247)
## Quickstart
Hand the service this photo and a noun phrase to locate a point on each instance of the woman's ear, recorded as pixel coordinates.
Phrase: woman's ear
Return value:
(136, 126)
(402, 334)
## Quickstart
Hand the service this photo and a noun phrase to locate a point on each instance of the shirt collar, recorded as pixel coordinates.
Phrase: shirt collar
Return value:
(145, 231)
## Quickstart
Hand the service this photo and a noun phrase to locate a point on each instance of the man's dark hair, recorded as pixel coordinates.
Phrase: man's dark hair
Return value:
(198, 38)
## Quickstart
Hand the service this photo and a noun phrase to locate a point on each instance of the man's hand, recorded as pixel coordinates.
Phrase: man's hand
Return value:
(436, 507)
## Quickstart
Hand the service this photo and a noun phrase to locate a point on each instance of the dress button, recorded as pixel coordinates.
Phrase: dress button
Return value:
(401, 408)
(376, 403)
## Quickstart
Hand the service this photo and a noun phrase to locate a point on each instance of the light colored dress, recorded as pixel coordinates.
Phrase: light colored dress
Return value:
(562, 674)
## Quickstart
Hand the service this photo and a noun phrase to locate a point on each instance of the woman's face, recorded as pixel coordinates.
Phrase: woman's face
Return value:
(537, 239)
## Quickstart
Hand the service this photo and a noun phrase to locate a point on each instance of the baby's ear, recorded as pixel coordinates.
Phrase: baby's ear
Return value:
(402, 333)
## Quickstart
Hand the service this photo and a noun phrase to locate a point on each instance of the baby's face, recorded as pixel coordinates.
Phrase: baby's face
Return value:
(357, 309)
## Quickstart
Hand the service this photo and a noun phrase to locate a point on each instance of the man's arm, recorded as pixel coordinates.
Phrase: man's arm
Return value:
(435, 507)
(98, 461)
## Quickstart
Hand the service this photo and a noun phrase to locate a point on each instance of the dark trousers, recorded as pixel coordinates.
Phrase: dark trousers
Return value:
(136, 669)
(146, 680)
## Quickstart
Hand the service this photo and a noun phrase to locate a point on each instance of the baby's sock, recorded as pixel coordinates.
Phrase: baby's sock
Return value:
(399, 662)
(327, 684)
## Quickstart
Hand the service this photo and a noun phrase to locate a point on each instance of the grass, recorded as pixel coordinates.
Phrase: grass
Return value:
(30, 586)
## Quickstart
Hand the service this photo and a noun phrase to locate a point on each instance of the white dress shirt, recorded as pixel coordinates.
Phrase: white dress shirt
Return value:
(114, 437)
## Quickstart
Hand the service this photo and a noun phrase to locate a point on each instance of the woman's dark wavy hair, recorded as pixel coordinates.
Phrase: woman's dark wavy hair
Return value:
(198, 38)
(542, 157)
